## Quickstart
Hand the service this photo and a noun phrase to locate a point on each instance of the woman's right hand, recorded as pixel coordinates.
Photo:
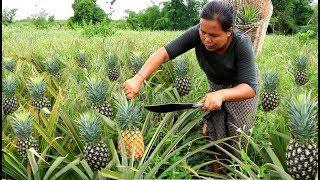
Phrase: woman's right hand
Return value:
(132, 86)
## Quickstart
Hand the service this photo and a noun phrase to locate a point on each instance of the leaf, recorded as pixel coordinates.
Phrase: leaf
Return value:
(54, 114)
(281, 172)
(87, 168)
(111, 174)
(33, 164)
(54, 165)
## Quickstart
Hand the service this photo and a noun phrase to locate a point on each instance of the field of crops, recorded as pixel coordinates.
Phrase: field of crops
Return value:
(71, 138)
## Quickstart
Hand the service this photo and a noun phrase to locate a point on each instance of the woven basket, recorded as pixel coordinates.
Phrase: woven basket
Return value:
(257, 31)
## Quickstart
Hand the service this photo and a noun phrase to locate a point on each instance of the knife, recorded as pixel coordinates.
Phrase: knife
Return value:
(163, 108)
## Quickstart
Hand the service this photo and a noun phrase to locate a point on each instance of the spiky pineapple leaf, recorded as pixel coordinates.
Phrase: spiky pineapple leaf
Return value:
(271, 81)
(22, 123)
(301, 61)
(9, 85)
(96, 89)
(53, 66)
(89, 125)
(36, 87)
(181, 67)
(302, 110)
(8, 64)
(111, 60)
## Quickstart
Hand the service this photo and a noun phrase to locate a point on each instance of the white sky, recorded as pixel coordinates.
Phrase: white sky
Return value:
(61, 9)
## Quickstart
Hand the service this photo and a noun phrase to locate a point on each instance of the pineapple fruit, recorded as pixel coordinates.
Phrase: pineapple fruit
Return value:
(301, 76)
(96, 91)
(95, 150)
(22, 125)
(182, 81)
(113, 71)
(9, 64)
(82, 60)
(302, 152)
(270, 97)
(129, 117)
(136, 62)
(36, 86)
(9, 101)
(53, 67)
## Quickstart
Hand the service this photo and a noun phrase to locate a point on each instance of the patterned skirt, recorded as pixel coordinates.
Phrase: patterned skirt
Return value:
(225, 122)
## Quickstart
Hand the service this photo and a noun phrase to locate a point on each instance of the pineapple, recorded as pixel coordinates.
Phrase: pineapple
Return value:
(113, 72)
(22, 125)
(9, 102)
(36, 86)
(9, 64)
(136, 62)
(96, 91)
(53, 67)
(182, 81)
(82, 60)
(129, 117)
(270, 98)
(95, 150)
(302, 152)
(301, 76)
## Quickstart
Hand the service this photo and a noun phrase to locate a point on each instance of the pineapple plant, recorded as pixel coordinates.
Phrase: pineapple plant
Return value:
(82, 60)
(96, 91)
(9, 64)
(113, 71)
(53, 67)
(22, 126)
(182, 80)
(270, 96)
(247, 15)
(302, 152)
(95, 150)
(136, 62)
(36, 87)
(129, 117)
(9, 101)
(301, 76)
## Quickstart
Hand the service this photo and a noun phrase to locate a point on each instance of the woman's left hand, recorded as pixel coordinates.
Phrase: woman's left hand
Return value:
(212, 101)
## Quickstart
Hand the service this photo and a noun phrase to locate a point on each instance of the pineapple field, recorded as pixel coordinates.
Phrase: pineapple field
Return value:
(65, 115)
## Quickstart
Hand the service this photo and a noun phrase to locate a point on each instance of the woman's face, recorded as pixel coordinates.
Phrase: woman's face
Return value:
(212, 35)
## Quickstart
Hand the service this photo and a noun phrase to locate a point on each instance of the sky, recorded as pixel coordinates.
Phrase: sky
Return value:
(61, 9)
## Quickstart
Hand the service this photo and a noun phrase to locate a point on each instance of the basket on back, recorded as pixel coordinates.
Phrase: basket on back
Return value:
(256, 30)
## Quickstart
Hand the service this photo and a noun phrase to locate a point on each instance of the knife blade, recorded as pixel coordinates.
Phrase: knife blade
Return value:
(163, 108)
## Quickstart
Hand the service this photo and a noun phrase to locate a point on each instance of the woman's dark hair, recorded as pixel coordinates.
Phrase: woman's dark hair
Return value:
(218, 10)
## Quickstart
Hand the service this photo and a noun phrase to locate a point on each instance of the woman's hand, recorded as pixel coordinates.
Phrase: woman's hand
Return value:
(212, 101)
(132, 86)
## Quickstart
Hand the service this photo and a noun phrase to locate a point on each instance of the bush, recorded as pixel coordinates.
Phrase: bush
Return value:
(103, 29)
(8, 15)
(42, 20)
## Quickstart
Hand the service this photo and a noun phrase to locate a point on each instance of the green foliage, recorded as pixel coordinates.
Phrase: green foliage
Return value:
(22, 123)
(290, 14)
(174, 15)
(103, 29)
(8, 16)
(9, 85)
(248, 14)
(87, 11)
(42, 20)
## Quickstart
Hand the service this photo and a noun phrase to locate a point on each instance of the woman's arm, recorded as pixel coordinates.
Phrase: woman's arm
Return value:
(214, 100)
(132, 86)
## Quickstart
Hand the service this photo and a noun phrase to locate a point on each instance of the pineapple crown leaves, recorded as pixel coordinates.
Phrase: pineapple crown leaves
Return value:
(96, 89)
(137, 60)
(22, 124)
(9, 85)
(52, 66)
(8, 64)
(112, 60)
(129, 114)
(36, 86)
(181, 67)
(301, 62)
(271, 80)
(82, 58)
(248, 14)
(303, 111)
(90, 127)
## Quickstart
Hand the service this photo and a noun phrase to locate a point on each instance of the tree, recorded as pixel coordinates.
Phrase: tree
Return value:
(8, 16)
(87, 11)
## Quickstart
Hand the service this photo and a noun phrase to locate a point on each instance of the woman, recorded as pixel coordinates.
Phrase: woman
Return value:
(226, 57)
